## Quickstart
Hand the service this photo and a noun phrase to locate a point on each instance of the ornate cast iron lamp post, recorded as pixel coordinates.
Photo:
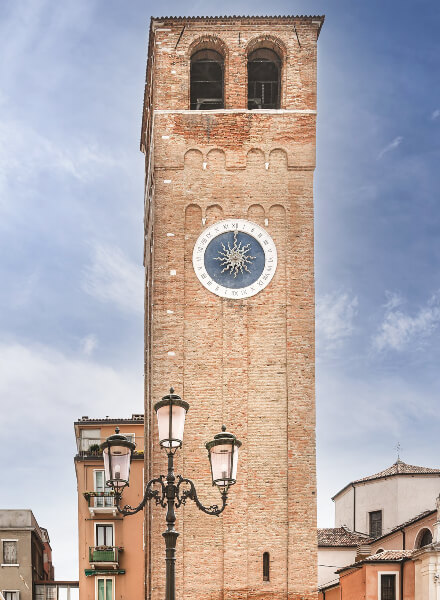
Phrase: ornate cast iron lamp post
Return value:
(170, 491)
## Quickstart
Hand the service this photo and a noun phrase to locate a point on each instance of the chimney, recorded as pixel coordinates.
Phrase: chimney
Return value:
(362, 551)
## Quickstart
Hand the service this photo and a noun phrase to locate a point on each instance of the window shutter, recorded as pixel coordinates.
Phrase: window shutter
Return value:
(10, 553)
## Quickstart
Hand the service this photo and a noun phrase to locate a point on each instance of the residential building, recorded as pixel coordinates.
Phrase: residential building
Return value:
(111, 551)
(229, 134)
(377, 503)
(400, 563)
(26, 556)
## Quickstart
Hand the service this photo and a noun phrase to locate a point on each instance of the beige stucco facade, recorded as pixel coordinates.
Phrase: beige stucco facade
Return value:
(20, 530)
(111, 551)
(399, 497)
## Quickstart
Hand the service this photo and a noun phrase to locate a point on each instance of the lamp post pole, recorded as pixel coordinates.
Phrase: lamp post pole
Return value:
(169, 491)
(170, 535)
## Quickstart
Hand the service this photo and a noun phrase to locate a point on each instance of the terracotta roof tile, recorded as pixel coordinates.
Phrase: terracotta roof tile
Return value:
(341, 536)
(400, 468)
(230, 17)
(385, 556)
(389, 555)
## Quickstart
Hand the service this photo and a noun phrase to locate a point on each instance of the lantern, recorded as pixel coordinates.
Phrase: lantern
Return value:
(223, 457)
(117, 451)
(171, 412)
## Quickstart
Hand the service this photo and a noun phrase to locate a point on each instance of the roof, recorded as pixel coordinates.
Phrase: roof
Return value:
(385, 556)
(398, 468)
(85, 420)
(419, 517)
(232, 17)
(342, 537)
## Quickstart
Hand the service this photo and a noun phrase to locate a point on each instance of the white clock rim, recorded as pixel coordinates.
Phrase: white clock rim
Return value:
(225, 292)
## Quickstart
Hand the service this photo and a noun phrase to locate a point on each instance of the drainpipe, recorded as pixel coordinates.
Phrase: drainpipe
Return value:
(401, 580)
(403, 540)
(354, 507)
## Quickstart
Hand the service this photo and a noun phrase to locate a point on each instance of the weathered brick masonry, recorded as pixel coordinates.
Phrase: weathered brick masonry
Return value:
(246, 363)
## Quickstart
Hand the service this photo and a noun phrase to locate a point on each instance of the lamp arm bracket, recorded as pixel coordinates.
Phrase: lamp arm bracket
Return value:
(190, 492)
(158, 495)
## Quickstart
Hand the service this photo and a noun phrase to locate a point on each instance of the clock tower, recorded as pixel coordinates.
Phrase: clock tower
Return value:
(228, 133)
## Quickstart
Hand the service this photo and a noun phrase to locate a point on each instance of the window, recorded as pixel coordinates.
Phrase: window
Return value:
(266, 566)
(387, 587)
(11, 595)
(425, 538)
(89, 437)
(104, 589)
(376, 523)
(104, 535)
(100, 486)
(10, 552)
(264, 68)
(206, 88)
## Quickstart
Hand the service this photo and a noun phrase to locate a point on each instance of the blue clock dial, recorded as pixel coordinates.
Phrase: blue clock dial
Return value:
(234, 259)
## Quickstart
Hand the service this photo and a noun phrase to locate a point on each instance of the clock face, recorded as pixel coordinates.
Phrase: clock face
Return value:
(235, 258)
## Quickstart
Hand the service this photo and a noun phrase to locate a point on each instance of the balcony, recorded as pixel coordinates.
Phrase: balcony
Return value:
(101, 503)
(89, 448)
(104, 556)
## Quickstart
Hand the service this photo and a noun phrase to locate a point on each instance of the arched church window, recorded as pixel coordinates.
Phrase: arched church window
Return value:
(264, 82)
(266, 566)
(425, 538)
(206, 87)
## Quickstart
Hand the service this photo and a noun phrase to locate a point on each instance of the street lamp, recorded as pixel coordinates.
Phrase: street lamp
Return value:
(171, 491)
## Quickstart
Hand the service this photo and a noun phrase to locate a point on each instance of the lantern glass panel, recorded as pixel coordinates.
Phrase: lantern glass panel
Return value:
(117, 465)
(171, 433)
(224, 471)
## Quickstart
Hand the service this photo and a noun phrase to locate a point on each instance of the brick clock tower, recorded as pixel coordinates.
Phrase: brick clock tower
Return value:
(228, 133)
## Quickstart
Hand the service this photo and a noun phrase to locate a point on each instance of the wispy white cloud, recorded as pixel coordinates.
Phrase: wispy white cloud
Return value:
(88, 344)
(112, 277)
(399, 329)
(369, 413)
(435, 114)
(335, 314)
(391, 146)
(25, 153)
(42, 393)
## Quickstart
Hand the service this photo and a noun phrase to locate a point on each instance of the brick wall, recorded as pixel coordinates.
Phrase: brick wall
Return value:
(246, 363)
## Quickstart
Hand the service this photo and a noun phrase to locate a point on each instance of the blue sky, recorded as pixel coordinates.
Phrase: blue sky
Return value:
(71, 184)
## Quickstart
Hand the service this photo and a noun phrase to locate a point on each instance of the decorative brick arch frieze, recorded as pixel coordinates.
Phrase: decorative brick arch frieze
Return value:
(278, 159)
(253, 158)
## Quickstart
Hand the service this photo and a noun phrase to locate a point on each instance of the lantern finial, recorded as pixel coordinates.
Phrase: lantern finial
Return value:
(117, 430)
(223, 427)
(171, 390)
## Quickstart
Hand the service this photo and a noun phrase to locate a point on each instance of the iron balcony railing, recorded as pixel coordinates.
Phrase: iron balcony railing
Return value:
(100, 499)
(91, 446)
(104, 554)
